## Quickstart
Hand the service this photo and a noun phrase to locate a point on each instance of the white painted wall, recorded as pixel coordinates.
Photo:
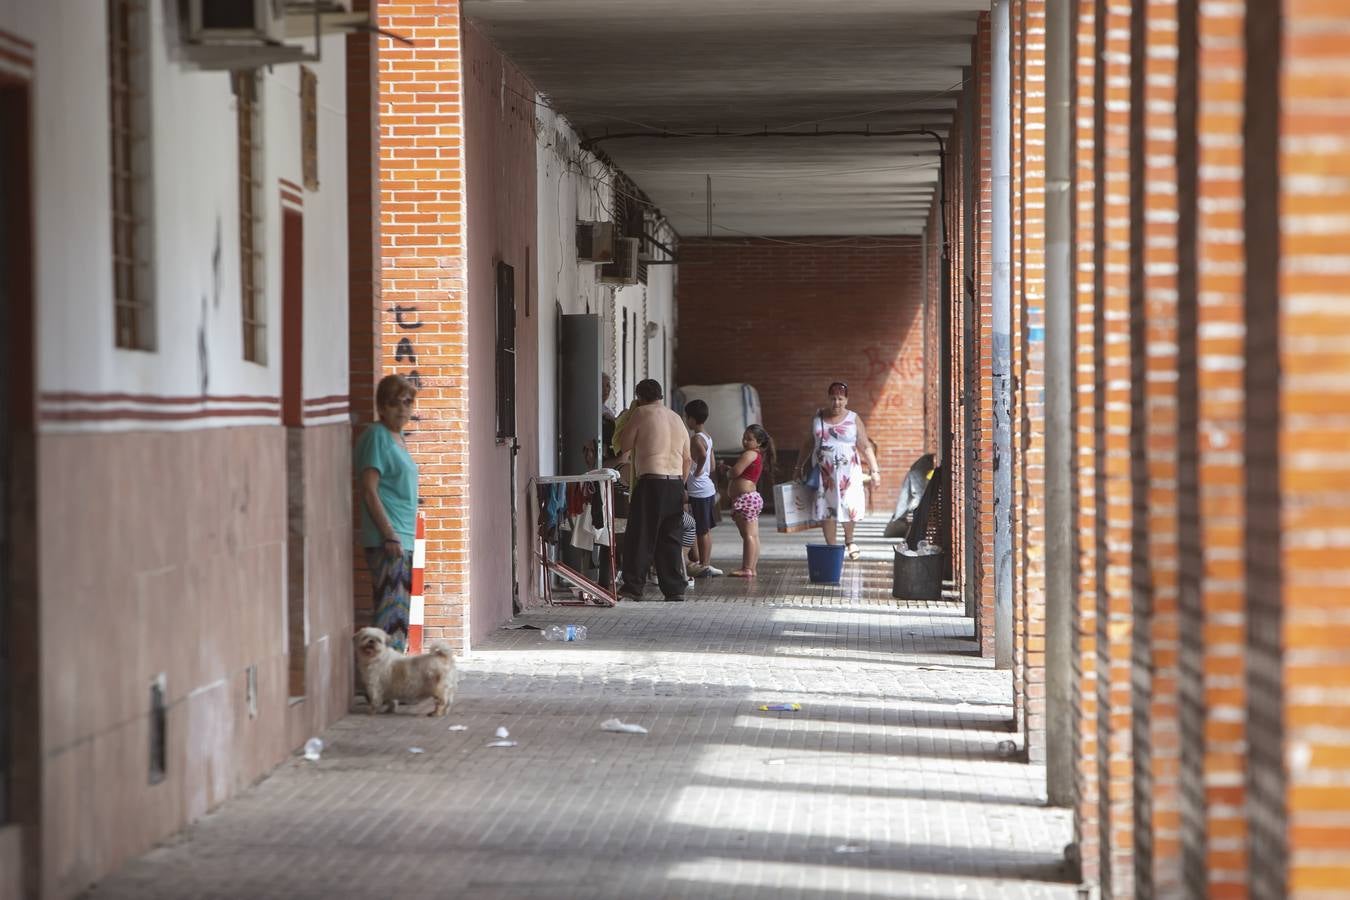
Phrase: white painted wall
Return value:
(575, 185)
(195, 203)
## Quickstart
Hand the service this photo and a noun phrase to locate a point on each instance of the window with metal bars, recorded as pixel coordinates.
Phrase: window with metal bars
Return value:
(129, 133)
(251, 294)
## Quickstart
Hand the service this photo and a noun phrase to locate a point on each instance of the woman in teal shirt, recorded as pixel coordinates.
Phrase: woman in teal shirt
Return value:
(388, 478)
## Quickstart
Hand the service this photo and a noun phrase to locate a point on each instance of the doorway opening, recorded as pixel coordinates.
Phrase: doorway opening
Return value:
(19, 756)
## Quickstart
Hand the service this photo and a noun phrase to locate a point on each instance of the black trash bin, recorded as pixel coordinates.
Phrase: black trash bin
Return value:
(917, 577)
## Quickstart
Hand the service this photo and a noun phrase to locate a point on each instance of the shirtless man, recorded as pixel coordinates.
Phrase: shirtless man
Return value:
(658, 443)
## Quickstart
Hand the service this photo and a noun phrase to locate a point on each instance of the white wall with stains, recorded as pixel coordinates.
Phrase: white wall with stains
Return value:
(574, 185)
(195, 245)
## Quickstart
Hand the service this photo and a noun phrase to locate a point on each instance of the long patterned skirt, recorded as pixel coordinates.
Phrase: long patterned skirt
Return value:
(391, 583)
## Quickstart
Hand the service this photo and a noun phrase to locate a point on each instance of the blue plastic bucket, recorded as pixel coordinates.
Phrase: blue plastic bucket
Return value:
(825, 563)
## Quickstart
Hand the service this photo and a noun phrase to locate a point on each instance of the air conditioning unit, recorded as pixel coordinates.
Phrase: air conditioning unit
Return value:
(334, 17)
(237, 34)
(595, 241)
(215, 22)
(624, 269)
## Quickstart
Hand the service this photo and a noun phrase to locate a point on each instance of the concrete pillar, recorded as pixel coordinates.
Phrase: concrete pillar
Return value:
(1060, 545)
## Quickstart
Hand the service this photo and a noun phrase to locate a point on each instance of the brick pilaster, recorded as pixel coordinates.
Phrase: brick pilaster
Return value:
(1114, 497)
(1016, 79)
(1029, 424)
(1210, 460)
(424, 314)
(1314, 440)
(984, 222)
(1088, 102)
(1154, 453)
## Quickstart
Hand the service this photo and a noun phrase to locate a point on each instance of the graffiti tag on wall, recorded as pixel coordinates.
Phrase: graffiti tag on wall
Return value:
(405, 319)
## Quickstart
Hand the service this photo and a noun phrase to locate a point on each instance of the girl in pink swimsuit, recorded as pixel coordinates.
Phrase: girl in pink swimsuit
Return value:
(746, 502)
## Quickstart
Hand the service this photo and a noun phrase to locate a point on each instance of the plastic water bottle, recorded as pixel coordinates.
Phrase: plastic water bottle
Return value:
(565, 633)
(313, 749)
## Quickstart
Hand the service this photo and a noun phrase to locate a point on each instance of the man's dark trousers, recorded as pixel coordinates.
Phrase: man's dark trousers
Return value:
(655, 517)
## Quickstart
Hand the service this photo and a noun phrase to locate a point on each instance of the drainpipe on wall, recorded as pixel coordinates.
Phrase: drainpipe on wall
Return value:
(1002, 243)
(1060, 545)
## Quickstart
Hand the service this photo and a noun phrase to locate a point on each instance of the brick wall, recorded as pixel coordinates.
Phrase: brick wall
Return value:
(1016, 74)
(932, 367)
(956, 428)
(1088, 190)
(1154, 365)
(1211, 328)
(1313, 282)
(1211, 420)
(790, 318)
(1114, 490)
(982, 400)
(1029, 367)
(424, 313)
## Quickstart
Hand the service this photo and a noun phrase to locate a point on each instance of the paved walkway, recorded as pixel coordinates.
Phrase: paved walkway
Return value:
(889, 782)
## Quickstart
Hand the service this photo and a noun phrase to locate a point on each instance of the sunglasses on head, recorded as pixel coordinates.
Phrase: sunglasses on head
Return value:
(837, 384)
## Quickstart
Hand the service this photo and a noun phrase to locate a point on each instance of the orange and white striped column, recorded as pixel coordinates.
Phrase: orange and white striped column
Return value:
(416, 603)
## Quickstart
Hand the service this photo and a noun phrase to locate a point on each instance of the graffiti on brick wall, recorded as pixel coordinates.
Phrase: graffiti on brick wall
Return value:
(405, 353)
(886, 367)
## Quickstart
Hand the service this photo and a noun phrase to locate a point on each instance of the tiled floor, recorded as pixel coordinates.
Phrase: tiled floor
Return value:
(888, 782)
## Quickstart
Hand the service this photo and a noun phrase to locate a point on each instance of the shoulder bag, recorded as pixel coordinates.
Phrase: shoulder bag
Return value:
(811, 474)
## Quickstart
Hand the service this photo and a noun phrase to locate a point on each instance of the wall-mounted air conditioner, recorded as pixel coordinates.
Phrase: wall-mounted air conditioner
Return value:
(235, 21)
(240, 34)
(595, 242)
(624, 269)
(335, 17)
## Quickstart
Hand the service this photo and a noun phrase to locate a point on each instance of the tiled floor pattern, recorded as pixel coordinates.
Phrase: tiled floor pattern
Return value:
(889, 782)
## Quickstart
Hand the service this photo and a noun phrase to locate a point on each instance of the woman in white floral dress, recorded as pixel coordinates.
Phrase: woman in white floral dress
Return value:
(836, 435)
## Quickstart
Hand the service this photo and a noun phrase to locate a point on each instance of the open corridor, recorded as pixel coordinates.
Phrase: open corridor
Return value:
(889, 782)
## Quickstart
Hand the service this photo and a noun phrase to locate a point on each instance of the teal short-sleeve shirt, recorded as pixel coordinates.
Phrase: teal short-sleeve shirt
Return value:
(378, 449)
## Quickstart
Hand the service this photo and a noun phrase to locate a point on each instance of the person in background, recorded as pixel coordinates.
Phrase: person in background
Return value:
(610, 460)
(700, 488)
(836, 435)
(658, 445)
(757, 450)
(388, 488)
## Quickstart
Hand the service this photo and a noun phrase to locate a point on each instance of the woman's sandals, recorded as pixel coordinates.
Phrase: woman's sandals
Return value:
(852, 551)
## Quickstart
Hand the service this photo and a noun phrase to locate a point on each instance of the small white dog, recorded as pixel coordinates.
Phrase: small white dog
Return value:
(391, 678)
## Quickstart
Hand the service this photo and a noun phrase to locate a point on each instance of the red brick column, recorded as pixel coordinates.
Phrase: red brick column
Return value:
(984, 276)
(1115, 498)
(424, 317)
(1088, 103)
(959, 508)
(1016, 54)
(1210, 461)
(1154, 370)
(1314, 440)
(1029, 341)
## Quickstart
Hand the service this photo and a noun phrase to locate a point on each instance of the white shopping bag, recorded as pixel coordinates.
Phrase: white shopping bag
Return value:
(794, 504)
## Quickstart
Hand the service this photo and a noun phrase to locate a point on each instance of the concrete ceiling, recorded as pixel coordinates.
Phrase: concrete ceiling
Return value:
(740, 66)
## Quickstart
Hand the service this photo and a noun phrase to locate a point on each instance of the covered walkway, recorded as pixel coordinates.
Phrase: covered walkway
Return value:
(890, 781)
